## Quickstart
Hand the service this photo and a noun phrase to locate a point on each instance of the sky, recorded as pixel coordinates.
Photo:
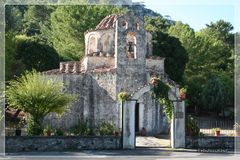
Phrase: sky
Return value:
(198, 13)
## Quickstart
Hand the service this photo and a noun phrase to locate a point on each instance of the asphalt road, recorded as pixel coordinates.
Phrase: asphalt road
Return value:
(137, 154)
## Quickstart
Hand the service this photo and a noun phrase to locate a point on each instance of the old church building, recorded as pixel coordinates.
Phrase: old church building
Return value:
(118, 57)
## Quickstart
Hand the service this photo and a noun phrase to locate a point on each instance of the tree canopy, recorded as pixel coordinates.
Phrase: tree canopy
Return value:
(210, 53)
(68, 24)
(36, 54)
(168, 47)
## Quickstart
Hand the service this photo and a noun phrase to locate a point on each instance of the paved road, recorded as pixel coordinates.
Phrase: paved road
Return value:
(137, 154)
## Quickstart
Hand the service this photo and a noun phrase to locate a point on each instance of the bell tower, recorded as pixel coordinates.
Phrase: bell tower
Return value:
(130, 52)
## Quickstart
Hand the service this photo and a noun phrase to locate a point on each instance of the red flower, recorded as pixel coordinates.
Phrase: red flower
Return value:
(182, 94)
(153, 81)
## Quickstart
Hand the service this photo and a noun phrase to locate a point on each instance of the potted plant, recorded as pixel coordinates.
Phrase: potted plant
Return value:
(116, 133)
(19, 126)
(217, 131)
(182, 94)
(237, 129)
(18, 131)
(47, 131)
(153, 81)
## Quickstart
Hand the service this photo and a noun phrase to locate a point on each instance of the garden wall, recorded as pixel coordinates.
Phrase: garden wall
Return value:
(60, 143)
(211, 142)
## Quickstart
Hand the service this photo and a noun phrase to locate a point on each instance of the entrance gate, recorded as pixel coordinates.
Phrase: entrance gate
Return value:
(177, 123)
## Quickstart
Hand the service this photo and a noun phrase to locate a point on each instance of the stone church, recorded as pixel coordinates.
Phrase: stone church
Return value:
(118, 57)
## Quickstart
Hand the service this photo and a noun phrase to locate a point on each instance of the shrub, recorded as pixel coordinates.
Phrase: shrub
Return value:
(123, 96)
(34, 128)
(82, 129)
(37, 95)
(106, 129)
(48, 130)
(192, 128)
(59, 132)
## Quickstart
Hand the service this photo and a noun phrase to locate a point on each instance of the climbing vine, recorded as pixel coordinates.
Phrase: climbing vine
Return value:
(160, 92)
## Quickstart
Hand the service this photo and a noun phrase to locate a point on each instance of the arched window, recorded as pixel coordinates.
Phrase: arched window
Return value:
(92, 46)
(137, 26)
(125, 24)
(131, 45)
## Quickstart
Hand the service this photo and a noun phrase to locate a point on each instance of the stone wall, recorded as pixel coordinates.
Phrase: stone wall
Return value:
(210, 142)
(156, 65)
(95, 100)
(95, 62)
(60, 143)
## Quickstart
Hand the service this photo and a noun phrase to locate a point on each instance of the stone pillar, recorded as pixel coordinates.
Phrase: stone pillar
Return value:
(62, 67)
(75, 67)
(129, 125)
(178, 121)
(67, 68)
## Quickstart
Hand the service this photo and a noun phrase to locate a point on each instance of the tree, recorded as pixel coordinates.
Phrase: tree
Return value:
(37, 95)
(218, 92)
(14, 18)
(175, 55)
(13, 66)
(157, 24)
(218, 46)
(194, 85)
(36, 54)
(35, 17)
(222, 31)
(209, 52)
(168, 47)
(186, 36)
(68, 24)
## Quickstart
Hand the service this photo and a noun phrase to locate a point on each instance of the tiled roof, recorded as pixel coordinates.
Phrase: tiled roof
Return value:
(108, 22)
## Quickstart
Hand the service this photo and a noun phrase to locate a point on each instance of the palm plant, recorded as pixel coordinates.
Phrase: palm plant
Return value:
(37, 95)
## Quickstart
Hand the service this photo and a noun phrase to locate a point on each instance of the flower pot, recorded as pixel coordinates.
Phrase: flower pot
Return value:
(18, 132)
(116, 133)
(48, 133)
(217, 133)
(182, 96)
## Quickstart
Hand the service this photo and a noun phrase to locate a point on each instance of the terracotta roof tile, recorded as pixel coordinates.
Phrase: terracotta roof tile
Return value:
(108, 22)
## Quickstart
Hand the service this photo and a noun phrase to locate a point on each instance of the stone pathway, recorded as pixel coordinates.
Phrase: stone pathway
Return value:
(161, 141)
